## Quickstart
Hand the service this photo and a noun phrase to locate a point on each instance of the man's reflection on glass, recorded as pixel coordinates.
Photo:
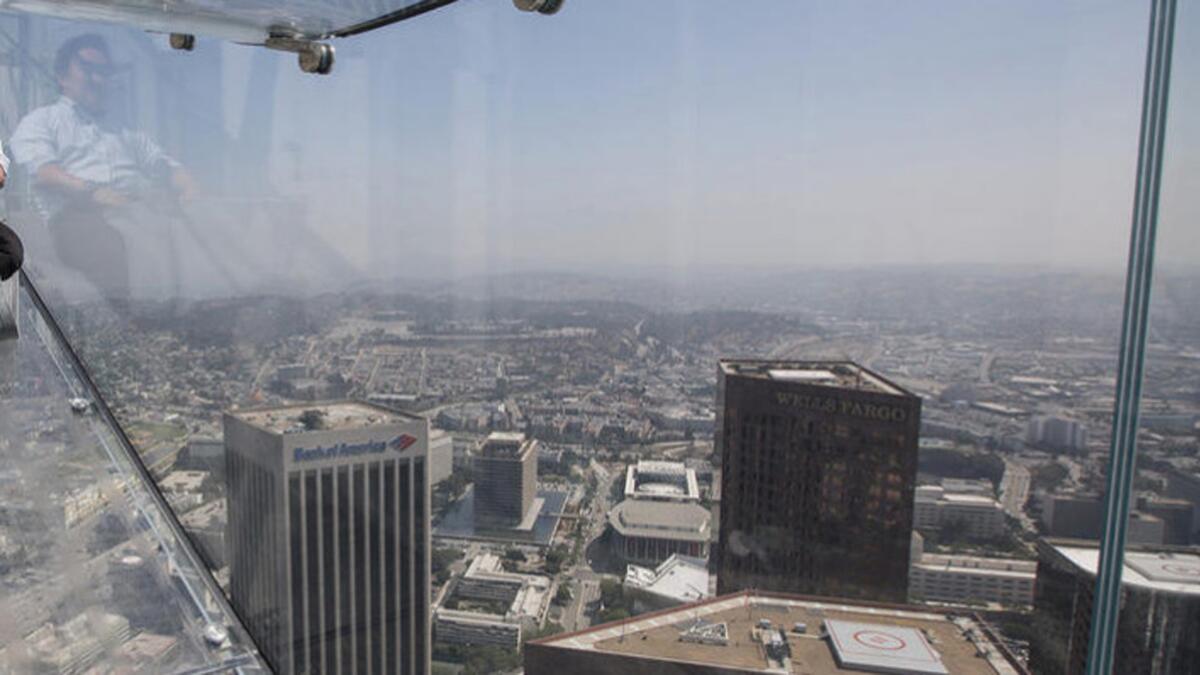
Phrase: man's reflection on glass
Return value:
(93, 179)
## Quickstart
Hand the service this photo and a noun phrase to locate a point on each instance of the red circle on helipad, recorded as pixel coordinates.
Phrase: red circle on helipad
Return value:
(878, 640)
(1182, 570)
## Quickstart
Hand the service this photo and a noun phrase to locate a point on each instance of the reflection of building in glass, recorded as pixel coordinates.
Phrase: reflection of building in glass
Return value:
(1159, 618)
(934, 507)
(329, 536)
(818, 461)
(506, 481)
(778, 633)
(517, 603)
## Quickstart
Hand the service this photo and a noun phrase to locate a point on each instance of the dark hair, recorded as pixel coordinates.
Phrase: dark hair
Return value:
(72, 47)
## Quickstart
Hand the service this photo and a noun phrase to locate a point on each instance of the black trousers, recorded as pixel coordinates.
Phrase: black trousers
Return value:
(85, 241)
(12, 253)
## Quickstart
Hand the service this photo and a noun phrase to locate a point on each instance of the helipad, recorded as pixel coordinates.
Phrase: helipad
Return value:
(877, 648)
(1184, 569)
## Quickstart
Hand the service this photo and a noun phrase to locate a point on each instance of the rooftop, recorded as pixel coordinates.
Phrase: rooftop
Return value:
(999, 567)
(1163, 571)
(868, 634)
(679, 578)
(837, 374)
(336, 415)
(661, 520)
(662, 481)
(510, 444)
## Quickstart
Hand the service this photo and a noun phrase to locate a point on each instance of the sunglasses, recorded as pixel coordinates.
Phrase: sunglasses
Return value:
(96, 69)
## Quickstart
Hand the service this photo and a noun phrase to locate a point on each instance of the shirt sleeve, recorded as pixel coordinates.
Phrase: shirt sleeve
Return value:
(33, 144)
(150, 156)
(3, 159)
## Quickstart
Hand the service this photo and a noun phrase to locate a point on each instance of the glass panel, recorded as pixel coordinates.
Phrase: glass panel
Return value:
(247, 21)
(1160, 590)
(95, 577)
(518, 325)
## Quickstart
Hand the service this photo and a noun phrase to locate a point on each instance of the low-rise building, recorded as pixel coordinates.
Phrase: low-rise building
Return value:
(934, 507)
(453, 626)
(968, 580)
(525, 596)
(649, 532)
(661, 481)
(679, 579)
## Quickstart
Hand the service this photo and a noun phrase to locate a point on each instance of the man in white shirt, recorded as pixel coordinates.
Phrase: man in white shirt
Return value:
(85, 169)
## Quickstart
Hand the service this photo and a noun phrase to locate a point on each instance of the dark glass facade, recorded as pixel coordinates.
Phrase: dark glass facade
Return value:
(818, 462)
(1158, 631)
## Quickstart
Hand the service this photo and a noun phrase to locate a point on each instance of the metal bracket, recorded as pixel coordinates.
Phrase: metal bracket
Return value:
(314, 57)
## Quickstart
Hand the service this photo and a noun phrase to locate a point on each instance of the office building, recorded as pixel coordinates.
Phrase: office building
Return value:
(970, 580)
(441, 456)
(329, 536)
(506, 481)
(525, 598)
(1056, 433)
(1158, 624)
(818, 467)
(1078, 516)
(1177, 516)
(981, 517)
(1183, 482)
(751, 632)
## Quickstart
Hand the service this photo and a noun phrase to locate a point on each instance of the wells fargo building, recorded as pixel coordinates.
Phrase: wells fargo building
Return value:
(819, 461)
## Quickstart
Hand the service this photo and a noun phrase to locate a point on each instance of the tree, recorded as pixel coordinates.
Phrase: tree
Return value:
(563, 595)
(312, 419)
(515, 554)
(440, 561)
(555, 558)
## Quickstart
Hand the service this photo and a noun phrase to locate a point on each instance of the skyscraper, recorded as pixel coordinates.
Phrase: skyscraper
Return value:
(329, 536)
(1159, 618)
(819, 461)
(506, 481)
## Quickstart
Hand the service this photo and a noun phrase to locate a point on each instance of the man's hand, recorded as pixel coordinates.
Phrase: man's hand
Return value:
(105, 196)
(3, 176)
(185, 185)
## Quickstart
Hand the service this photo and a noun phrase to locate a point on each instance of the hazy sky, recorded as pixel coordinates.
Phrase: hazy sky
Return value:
(688, 133)
(694, 132)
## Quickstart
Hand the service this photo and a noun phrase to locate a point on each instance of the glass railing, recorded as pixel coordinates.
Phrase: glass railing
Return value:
(97, 573)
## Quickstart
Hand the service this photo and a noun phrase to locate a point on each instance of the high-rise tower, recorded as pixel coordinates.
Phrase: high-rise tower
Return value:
(819, 461)
(329, 536)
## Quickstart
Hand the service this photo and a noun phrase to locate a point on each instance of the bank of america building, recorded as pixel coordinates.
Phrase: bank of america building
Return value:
(329, 536)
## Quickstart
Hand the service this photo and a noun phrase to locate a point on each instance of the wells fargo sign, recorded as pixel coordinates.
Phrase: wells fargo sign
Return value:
(871, 411)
